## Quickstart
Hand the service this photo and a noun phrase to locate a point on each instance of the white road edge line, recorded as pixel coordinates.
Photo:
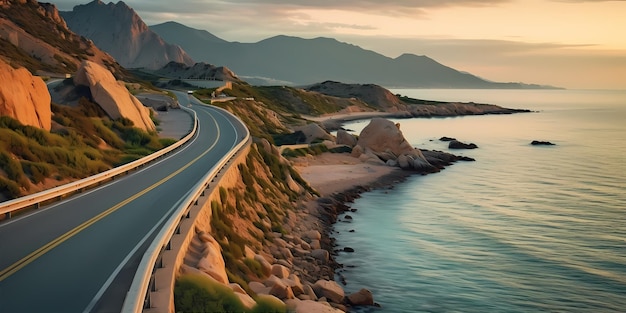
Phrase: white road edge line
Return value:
(108, 282)
(185, 147)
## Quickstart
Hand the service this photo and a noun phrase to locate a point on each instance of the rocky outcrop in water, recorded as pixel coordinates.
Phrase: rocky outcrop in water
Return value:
(112, 95)
(455, 144)
(24, 97)
(541, 143)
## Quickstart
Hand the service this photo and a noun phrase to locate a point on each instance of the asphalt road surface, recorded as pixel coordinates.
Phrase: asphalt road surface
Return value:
(64, 257)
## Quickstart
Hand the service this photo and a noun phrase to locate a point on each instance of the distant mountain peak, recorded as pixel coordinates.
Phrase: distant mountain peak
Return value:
(118, 29)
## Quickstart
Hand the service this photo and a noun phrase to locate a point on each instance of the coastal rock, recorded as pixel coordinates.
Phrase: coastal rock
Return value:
(24, 97)
(329, 289)
(259, 288)
(455, 144)
(265, 265)
(321, 255)
(314, 132)
(310, 306)
(280, 271)
(312, 235)
(541, 143)
(112, 95)
(383, 138)
(345, 138)
(362, 297)
(281, 290)
(444, 138)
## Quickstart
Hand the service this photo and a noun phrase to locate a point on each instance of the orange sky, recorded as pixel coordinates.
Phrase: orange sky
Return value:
(567, 43)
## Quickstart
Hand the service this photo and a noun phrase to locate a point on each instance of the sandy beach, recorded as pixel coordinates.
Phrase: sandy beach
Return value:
(332, 173)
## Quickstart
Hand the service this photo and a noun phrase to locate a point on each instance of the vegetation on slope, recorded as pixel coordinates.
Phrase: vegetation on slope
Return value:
(83, 142)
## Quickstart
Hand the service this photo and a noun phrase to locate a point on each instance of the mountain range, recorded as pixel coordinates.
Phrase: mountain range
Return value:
(298, 61)
(281, 60)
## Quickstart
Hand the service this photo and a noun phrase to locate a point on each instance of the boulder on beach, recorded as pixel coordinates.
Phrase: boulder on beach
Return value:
(314, 132)
(330, 290)
(383, 139)
(345, 138)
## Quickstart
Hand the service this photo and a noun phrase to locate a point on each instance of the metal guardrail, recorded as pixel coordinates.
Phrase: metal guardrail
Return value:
(137, 294)
(36, 199)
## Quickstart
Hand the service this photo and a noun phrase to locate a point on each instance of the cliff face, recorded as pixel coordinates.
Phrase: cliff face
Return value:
(24, 97)
(34, 35)
(112, 95)
(117, 29)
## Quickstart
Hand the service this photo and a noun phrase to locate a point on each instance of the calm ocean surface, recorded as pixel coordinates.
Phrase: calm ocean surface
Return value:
(523, 229)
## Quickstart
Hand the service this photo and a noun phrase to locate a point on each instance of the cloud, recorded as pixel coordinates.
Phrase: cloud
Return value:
(213, 7)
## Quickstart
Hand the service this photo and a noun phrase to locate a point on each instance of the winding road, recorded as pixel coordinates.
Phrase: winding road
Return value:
(66, 257)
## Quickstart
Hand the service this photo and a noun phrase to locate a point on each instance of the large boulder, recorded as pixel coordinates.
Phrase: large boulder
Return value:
(310, 306)
(24, 97)
(345, 138)
(314, 132)
(112, 95)
(384, 140)
(212, 261)
(330, 290)
(361, 297)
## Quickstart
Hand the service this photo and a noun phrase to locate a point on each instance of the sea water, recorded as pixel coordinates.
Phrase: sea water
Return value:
(522, 229)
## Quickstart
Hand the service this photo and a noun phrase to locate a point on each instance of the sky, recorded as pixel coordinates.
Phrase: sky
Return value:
(575, 44)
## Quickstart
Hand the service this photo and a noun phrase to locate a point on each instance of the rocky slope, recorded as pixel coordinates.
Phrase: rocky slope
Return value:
(24, 97)
(47, 45)
(374, 95)
(117, 29)
(205, 71)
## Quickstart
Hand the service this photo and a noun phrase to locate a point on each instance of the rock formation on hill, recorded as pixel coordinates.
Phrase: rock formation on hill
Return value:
(112, 95)
(117, 29)
(206, 71)
(24, 97)
(33, 35)
(374, 95)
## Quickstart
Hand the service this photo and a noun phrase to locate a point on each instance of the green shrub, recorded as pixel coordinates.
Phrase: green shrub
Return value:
(255, 267)
(195, 293)
(269, 305)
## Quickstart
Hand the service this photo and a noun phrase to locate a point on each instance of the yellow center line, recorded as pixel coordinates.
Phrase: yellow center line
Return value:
(5, 273)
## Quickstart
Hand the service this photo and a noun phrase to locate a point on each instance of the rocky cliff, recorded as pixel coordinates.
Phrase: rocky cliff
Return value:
(24, 97)
(197, 71)
(33, 35)
(117, 29)
(112, 95)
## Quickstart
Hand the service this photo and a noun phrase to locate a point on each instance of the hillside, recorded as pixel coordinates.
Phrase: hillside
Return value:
(117, 29)
(301, 61)
(47, 46)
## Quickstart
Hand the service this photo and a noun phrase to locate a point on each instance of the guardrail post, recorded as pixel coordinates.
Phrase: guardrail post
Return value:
(146, 301)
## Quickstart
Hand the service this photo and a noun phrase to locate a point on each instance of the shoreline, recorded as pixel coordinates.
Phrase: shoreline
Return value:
(349, 178)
